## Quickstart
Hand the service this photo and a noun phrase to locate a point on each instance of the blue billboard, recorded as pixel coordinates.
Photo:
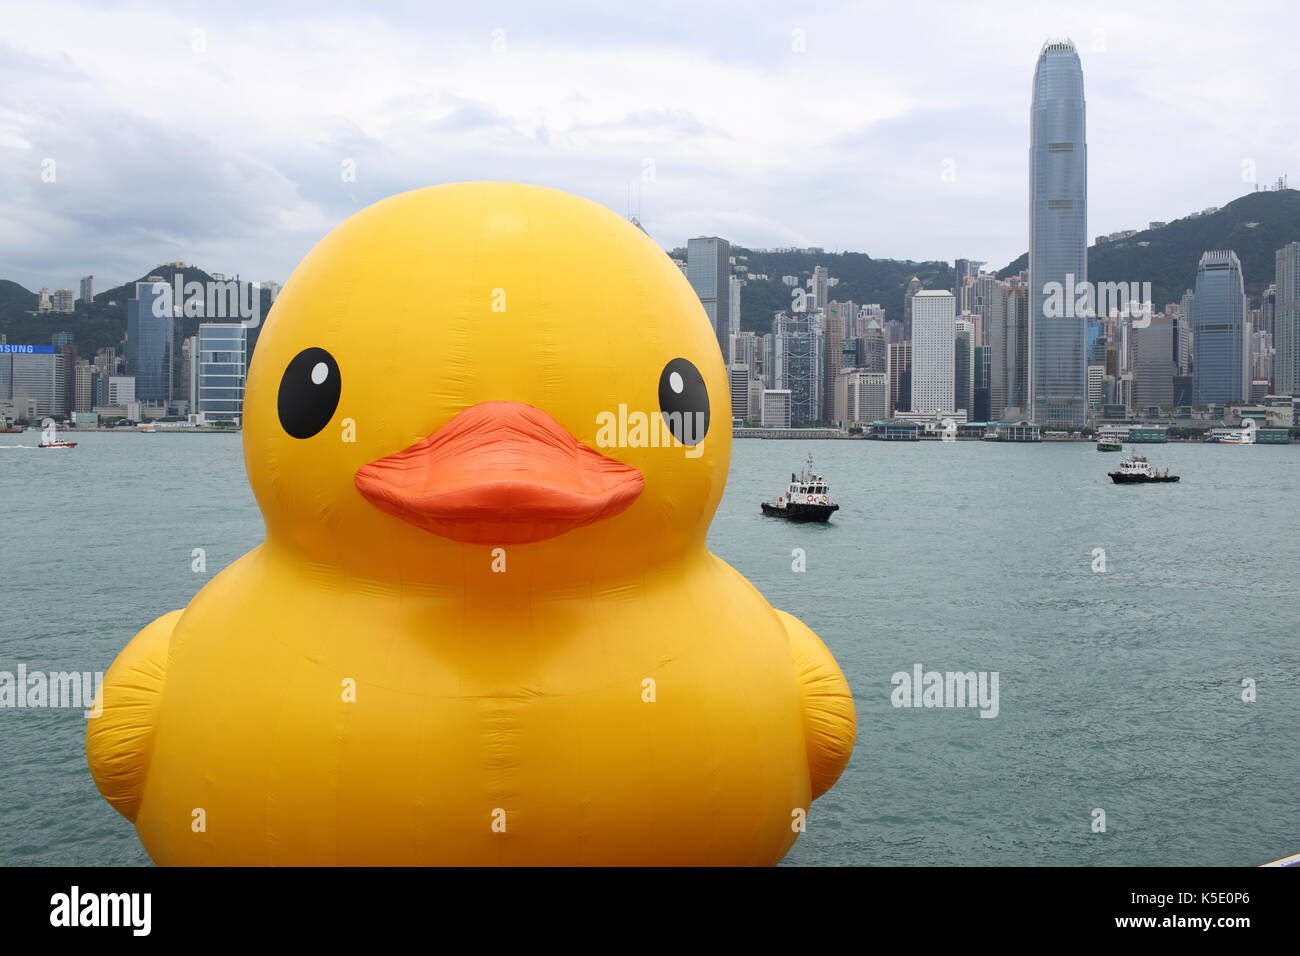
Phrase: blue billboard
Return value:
(28, 349)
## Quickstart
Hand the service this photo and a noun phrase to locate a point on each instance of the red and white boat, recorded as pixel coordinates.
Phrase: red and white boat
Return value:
(50, 437)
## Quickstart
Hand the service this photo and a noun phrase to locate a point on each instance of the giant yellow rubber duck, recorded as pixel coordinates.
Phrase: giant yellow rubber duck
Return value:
(487, 425)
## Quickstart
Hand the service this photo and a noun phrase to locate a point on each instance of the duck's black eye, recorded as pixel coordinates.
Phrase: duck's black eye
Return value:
(309, 392)
(684, 401)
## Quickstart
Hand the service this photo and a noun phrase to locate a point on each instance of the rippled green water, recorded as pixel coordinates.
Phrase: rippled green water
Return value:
(1118, 691)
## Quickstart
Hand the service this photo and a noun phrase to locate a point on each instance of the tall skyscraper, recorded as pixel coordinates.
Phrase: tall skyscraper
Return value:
(1153, 364)
(150, 326)
(33, 379)
(900, 377)
(798, 344)
(84, 376)
(964, 367)
(769, 360)
(1219, 373)
(934, 341)
(1286, 320)
(734, 285)
(962, 269)
(1008, 347)
(738, 384)
(747, 349)
(820, 285)
(913, 287)
(875, 350)
(837, 320)
(1268, 308)
(708, 268)
(87, 288)
(1058, 228)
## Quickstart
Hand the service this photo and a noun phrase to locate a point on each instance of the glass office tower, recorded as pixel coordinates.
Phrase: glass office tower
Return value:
(150, 328)
(1219, 373)
(708, 269)
(1058, 228)
(220, 356)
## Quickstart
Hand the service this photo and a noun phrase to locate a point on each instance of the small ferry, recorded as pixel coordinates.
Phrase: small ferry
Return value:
(807, 498)
(1236, 436)
(1109, 443)
(9, 428)
(1136, 470)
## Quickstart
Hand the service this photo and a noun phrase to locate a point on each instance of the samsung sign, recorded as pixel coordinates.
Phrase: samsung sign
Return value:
(28, 349)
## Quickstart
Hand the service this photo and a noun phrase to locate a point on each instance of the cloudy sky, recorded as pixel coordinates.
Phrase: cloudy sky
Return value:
(136, 133)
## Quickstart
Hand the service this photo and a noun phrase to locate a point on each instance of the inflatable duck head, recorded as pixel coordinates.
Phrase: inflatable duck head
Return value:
(487, 365)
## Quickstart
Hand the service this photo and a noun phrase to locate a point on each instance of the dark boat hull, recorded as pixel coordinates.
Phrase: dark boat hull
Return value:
(800, 512)
(1122, 479)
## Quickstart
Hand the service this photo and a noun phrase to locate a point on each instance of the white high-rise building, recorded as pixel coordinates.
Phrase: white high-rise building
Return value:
(735, 284)
(1096, 383)
(934, 340)
(738, 380)
(776, 408)
(861, 397)
(820, 286)
(121, 389)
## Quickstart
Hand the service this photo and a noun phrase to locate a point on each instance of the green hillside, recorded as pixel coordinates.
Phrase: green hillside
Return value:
(1169, 261)
(100, 324)
(14, 298)
(862, 279)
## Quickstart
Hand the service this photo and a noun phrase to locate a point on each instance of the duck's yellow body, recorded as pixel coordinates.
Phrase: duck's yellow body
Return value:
(379, 683)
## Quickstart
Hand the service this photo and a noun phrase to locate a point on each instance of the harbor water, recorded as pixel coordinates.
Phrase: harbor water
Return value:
(1144, 638)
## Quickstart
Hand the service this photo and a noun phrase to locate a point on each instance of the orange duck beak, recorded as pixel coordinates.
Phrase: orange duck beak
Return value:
(499, 473)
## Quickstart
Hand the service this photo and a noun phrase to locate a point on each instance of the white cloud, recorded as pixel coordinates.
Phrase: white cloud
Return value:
(221, 140)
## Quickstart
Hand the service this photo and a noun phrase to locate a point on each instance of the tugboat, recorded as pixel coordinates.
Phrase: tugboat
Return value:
(1109, 443)
(807, 498)
(1136, 470)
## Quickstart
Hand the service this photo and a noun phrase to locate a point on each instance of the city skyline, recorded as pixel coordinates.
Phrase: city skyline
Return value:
(921, 169)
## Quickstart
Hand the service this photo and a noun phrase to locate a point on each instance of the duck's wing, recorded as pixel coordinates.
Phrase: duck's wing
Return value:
(119, 741)
(829, 721)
